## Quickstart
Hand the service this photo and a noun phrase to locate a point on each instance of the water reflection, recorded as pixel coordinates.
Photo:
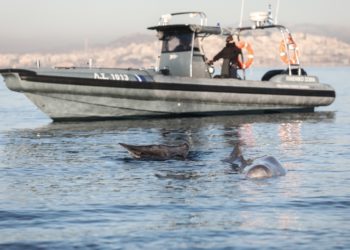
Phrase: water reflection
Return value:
(246, 135)
(290, 134)
(182, 125)
(208, 133)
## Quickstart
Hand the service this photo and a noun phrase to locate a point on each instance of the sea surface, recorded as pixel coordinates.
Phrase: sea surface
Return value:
(71, 186)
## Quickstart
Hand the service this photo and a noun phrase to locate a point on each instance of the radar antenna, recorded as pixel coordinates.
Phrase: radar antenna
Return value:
(269, 19)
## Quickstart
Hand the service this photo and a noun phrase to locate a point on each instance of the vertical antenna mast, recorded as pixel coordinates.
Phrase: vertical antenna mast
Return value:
(277, 10)
(242, 10)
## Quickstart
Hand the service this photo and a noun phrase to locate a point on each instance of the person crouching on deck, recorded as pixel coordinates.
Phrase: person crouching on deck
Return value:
(229, 54)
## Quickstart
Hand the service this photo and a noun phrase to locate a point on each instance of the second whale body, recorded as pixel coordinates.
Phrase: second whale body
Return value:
(259, 168)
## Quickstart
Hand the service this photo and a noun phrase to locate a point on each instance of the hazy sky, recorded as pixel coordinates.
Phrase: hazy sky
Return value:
(28, 25)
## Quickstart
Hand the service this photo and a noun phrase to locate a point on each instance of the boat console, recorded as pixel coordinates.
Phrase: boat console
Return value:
(182, 53)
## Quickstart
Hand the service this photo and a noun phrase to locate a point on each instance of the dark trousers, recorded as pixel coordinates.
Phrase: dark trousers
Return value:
(233, 71)
(228, 70)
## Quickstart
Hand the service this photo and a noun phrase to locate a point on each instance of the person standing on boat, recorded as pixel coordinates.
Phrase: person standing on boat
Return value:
(229, 54)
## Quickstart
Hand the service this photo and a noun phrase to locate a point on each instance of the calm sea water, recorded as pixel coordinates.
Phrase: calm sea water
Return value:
(70, 185)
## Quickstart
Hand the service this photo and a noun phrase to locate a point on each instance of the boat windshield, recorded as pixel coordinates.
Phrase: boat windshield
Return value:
(179, 43)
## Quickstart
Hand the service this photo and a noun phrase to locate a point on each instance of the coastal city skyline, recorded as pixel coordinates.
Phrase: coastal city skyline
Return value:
(39, 25)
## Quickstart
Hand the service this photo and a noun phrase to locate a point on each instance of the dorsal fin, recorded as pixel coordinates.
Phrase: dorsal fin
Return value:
(236, 153)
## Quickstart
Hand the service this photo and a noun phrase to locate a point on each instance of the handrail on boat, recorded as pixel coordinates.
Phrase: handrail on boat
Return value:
(290, 51)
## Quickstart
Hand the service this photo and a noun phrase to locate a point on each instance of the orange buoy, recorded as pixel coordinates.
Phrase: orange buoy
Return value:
(250, 55)
(290, 48)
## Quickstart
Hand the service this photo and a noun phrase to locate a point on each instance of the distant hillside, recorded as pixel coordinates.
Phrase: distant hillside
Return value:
(136, 38)
(142, 51)
(341, 33)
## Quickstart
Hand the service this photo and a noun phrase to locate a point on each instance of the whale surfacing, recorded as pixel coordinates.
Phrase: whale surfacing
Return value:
(157, 152)
(259, 168)
(264, 167)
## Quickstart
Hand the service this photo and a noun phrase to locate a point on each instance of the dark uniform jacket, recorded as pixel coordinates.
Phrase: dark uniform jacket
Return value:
(230, 55)
(230, 51)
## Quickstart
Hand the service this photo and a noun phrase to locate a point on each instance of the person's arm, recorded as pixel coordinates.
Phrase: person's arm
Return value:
(218, 55)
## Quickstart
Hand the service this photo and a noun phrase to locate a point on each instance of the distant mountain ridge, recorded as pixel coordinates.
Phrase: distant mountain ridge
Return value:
(142, 50)
(340, 32)
(136, 38)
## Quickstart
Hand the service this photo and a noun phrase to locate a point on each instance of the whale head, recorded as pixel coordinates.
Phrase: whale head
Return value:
(258, 172)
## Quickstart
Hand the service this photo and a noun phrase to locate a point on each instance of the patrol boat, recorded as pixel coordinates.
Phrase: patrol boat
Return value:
(183, 84)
